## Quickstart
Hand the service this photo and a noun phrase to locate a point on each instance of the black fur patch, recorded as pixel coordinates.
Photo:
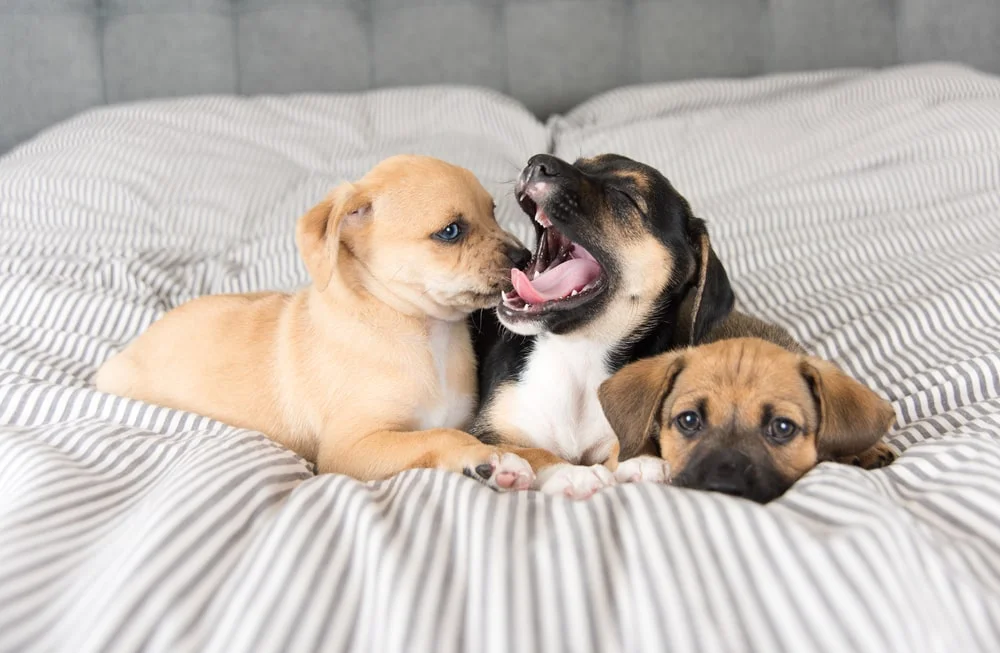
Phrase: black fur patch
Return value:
(500, 354)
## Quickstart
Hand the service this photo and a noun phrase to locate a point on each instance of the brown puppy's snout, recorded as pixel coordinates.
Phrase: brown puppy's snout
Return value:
(716, 466)
(726, 471)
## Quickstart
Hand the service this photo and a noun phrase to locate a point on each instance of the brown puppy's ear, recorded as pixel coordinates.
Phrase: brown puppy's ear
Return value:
(632, 398)
(712, 298)
(852, 418)
(317, 233)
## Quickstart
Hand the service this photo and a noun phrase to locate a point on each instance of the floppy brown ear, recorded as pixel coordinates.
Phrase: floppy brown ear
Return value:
(852, 418)
(712, 298)
(632, 398)
(317, 233)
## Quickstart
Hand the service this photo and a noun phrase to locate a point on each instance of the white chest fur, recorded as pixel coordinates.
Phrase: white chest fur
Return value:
(556, 402)
(448, 403)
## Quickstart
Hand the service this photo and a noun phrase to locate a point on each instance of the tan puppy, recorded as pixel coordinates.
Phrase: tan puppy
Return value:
(370, 370)
(744, 416)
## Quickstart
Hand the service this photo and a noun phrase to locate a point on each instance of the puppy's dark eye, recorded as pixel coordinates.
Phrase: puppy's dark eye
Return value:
(782, 430)
(450, 233)
(688, 422)
(631, 200)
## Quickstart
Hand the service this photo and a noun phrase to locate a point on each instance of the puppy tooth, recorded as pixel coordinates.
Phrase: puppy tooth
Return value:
(574, 293)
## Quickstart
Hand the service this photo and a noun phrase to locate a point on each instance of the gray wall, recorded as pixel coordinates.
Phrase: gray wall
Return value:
(58, 57)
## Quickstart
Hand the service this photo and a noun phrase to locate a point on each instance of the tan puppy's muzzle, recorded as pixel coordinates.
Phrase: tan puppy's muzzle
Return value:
(425, 248)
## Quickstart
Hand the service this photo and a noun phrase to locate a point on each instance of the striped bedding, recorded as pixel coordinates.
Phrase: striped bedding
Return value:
(860, 209)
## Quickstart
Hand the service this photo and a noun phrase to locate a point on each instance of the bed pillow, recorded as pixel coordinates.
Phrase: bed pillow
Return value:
(859, 209)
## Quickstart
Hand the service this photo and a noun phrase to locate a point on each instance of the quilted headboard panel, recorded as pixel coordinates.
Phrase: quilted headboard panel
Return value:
(58, 57)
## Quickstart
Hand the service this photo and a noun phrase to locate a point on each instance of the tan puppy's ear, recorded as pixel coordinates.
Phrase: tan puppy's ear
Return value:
(632, 398)
(712, 298)
(317, 234)
(852, 418)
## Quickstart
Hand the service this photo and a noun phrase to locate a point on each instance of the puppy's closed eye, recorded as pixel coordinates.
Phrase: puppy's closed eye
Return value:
(637, 202)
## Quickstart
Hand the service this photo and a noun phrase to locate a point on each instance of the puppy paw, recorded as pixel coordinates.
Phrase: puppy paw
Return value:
(574, 481)
(875, 457)
(643, 469)
(504, 473)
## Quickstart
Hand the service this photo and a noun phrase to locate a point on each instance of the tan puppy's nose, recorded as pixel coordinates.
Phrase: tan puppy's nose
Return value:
(518, 256)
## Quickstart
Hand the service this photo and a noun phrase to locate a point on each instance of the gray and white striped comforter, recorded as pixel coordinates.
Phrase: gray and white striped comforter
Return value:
(860, 209)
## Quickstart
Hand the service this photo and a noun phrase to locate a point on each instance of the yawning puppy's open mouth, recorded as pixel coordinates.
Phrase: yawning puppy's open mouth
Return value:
(561, 275)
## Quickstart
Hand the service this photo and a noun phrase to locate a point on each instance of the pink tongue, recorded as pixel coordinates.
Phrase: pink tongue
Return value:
(557, 282)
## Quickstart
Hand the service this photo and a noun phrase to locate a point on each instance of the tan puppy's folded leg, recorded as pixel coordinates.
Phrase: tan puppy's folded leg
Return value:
(382, 454)
(539, 459)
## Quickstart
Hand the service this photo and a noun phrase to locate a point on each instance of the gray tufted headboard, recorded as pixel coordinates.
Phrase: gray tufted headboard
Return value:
(58, 57)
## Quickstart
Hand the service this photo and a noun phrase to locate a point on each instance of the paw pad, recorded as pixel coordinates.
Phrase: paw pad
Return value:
(504, 473)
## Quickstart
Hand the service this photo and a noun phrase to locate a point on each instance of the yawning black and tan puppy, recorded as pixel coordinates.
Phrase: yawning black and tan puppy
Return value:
(619, 252)
(744, 416)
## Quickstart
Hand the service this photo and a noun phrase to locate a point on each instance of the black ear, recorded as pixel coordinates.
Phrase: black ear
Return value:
(711, 300)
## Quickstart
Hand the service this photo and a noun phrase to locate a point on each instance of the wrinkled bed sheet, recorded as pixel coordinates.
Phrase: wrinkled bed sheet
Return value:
(860, 209)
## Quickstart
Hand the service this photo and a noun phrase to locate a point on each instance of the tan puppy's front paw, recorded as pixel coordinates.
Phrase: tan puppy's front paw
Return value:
(506, 472)
(574, 481)
(643, 469)
(511, 472)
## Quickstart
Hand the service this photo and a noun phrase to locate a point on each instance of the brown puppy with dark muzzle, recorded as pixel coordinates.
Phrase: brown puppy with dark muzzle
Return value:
(369, 370)
(745, 416)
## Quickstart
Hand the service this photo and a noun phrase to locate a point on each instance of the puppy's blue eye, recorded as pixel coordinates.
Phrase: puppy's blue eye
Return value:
(449, 233)
(688, 422)
(781, 429)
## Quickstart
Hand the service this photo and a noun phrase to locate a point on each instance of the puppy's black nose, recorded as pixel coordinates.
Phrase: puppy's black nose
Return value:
(543, 166)
(727, 472)
(518, 256)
